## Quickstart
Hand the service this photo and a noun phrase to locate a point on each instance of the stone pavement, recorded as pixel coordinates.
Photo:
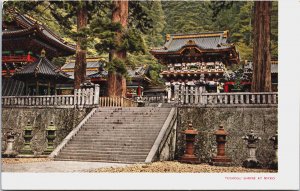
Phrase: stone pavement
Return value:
(57, 166)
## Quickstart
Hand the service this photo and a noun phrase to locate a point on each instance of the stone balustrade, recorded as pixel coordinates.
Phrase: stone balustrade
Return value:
(88, 97)
(240, 98)
(193, 95)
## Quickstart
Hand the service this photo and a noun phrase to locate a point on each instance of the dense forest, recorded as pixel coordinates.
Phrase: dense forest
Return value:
(150, 21)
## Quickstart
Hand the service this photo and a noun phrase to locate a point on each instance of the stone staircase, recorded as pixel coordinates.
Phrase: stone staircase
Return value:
(124, 135)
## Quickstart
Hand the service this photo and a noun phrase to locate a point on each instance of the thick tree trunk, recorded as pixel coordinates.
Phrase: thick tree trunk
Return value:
(112, 84)
(261, 79)
(119, 15)
(80, 63)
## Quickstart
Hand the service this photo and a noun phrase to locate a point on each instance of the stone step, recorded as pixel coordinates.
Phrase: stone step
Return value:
(129, 127)
(104, 161)
(116, 135)
(109, 145)
(96, 152)
(108, 139)
(96, 149)
(104, 156)
(123, 160)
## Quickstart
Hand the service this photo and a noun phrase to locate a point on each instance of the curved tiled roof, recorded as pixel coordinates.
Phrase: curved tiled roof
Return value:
(204, 41)
(28, 25)
(42, 68)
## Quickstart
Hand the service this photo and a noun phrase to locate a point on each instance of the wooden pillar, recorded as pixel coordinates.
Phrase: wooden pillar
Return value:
(37, 88)
(26, 87)
(49, 88)
(55, 93)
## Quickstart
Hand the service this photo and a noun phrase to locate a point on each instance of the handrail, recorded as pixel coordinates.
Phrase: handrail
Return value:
(162, 136)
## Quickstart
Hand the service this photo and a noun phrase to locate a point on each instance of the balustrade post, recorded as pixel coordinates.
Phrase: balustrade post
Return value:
(96, 94)
(252, 98)
(242, 98)
(258, 98)
(264, 99)
(196, 95)
(274, 98)
(247, 98)
(269, 98)
(186, 94)
(191, 92)
(236, 99)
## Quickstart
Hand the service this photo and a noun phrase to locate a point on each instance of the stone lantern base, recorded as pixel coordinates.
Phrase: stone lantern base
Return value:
(274, 165)
(251, 163)
(9, 154)
(191, 159)
(220, 161)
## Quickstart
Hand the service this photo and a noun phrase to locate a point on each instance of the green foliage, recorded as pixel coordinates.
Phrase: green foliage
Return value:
(149, 22)
(187, 16)
(117, 65)
(58, 61)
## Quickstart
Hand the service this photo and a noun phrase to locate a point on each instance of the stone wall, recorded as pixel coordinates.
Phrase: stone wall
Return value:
(64, 119)
(237, 122)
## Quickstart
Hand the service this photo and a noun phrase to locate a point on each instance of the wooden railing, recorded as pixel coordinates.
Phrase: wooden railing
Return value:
(81, 98)
(116, 102)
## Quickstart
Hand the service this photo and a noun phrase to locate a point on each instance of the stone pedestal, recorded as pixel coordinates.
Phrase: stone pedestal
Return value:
(26, 150)
(10, 152)
(221, 159)
(251, 161)
(51, 135)
(189, 154)
(274, 163)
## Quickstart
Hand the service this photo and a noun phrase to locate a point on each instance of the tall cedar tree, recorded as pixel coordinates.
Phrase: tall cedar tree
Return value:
(261, 79)
(117, 82)
(80, 62)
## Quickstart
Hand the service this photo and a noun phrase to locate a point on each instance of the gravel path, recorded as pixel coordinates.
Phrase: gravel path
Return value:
(44, 165)
(23, 160)
(48, 165)
(176, 167)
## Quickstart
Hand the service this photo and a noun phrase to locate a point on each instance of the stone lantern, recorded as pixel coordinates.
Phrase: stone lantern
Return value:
(27, 137)
(10, 138)
(252, 139)
(221, 159)
(274, 139)
(189, 153)
(50, 135)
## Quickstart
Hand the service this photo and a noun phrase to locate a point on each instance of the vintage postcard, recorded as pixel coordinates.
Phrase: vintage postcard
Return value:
(149, 95)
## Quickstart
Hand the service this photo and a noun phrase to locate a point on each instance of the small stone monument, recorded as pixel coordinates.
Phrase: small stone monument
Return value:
(251, 161)
(26, 150)
(189, 153)
(10, 138)
(221, 159)
(274, 139)
(51, 135)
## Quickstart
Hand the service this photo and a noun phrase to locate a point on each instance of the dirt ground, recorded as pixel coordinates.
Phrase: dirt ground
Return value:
(23, 160)
(176, 167)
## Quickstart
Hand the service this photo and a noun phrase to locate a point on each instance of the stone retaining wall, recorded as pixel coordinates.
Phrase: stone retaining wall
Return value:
(64, 119)
(237, 122)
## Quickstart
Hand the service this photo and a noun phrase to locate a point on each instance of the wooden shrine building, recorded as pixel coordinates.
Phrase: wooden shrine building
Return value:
(23, 39)
(193, 58)
(41, 77)
(94, 70)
